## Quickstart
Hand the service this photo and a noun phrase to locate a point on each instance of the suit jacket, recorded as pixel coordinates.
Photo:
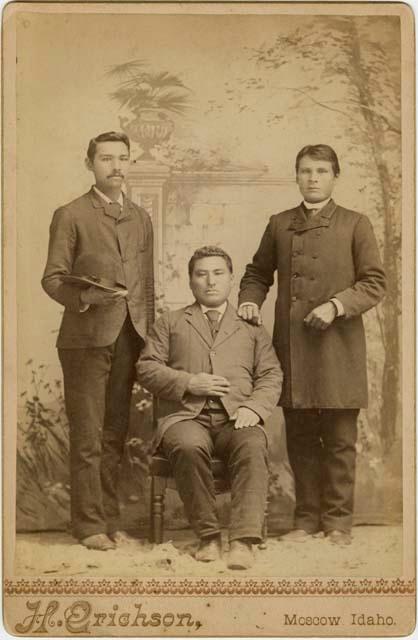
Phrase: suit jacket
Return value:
(332, 254)
(180, 345)
(88, 226)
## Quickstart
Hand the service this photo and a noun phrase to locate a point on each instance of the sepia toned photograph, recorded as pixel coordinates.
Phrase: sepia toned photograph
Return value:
(209, 343)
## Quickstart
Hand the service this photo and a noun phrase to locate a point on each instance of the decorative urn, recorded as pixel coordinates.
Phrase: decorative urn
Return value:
(149, 128)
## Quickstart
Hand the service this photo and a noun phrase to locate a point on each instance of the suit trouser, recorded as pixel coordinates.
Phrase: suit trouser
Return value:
(189, 445)
(97, 387)
(322, 454)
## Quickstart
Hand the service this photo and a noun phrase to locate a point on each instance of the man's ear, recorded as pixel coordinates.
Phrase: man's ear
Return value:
(88, 164)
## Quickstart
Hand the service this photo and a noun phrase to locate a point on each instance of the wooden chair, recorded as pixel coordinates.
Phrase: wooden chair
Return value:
(162, 478)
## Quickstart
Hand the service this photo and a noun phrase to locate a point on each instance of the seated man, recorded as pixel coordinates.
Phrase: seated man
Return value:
(218, 379)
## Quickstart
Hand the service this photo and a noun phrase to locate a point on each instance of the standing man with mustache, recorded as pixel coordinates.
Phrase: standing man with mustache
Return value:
(101, 234)
(328, 274)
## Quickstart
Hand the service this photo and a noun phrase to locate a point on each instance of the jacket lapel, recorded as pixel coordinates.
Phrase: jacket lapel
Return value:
(194, 316)
(230, 323)
(126, 209)
(300, 222)
(96, 201)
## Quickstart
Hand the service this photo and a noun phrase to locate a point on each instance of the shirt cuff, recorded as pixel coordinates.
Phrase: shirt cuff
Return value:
(339, 307)
(252, 304)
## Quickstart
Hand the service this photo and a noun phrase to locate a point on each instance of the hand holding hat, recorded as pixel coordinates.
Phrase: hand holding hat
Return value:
(97, 280)
(93, 295)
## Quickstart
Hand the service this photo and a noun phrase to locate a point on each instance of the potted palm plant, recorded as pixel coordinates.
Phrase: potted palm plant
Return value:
(151, 97)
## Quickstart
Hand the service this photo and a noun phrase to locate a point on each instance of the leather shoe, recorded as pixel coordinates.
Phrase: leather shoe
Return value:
(297, 535)
(338, 537)
(98, 542)
(122, 537)
(209, 550)
(240, 555)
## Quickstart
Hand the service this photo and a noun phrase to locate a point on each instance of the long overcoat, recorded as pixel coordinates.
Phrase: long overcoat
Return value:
(331, 254)
(180, 345)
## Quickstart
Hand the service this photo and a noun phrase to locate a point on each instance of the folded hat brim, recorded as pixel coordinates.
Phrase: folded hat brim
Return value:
(85, 281)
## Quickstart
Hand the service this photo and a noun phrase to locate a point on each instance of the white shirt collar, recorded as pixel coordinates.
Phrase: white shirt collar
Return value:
(221, 309)
(316, 205)
(108, 200)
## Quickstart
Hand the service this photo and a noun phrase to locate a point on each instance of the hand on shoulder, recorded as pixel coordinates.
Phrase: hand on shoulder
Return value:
(250, 312)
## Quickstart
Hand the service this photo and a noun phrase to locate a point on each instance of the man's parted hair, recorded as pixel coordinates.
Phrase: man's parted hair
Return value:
(109, 136)
(319, 152)
(209, 252)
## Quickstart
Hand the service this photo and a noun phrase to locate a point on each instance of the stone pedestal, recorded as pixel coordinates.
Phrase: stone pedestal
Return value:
(146, 187)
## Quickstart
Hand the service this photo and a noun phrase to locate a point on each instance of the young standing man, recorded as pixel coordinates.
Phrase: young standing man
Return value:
(329, 273)
(101, 333)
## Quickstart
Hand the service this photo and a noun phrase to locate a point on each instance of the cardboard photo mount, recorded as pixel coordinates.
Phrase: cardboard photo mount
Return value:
(176, 604)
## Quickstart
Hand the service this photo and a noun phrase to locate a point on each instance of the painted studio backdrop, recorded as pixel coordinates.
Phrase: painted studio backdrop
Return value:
(217, 108)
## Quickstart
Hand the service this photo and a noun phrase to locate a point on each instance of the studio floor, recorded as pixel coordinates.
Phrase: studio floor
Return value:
(376, 551)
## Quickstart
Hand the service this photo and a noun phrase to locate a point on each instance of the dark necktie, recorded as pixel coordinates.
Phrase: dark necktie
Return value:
(213, 317)
(311, 212)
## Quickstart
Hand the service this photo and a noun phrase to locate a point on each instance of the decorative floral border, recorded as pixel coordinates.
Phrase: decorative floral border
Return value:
(208, 587)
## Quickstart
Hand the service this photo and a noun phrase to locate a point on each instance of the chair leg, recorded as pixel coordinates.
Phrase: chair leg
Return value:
(264, 533)
(157, 510)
